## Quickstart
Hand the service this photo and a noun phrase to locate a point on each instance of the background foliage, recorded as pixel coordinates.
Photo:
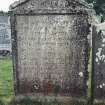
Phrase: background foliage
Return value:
(99, 6)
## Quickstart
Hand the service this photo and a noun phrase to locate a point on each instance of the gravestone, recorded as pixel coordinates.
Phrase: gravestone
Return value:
(5, 32)
(50, 47)
(99, 62)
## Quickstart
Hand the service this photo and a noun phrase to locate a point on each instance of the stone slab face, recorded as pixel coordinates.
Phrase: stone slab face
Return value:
(5, 33)
(52, 55)
(99, 65)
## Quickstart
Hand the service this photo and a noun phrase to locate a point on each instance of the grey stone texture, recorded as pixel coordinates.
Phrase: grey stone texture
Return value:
(51, 47)
(50, 6)
(99, 64)
(5, 32)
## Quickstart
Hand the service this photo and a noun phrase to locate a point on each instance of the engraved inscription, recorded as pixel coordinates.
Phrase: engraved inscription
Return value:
(51, 54)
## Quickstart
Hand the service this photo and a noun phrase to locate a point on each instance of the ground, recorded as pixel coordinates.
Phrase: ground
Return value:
(6, 77)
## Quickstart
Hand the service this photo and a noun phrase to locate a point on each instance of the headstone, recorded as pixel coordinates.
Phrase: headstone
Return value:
(99, 62)
(5, 32)
(50, 47)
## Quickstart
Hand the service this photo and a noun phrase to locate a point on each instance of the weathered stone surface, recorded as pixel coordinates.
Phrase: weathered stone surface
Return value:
(52, 51)
(50, 6)
(99, 63)
(5, 32)
(50, 47)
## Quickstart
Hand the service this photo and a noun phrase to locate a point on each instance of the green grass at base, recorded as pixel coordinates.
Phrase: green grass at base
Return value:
(6, 77)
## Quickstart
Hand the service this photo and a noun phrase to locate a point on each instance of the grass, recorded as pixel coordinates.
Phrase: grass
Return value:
(6, 77)
(28, 101)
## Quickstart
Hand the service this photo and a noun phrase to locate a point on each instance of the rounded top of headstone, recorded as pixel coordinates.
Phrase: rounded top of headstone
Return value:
(50, 6)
